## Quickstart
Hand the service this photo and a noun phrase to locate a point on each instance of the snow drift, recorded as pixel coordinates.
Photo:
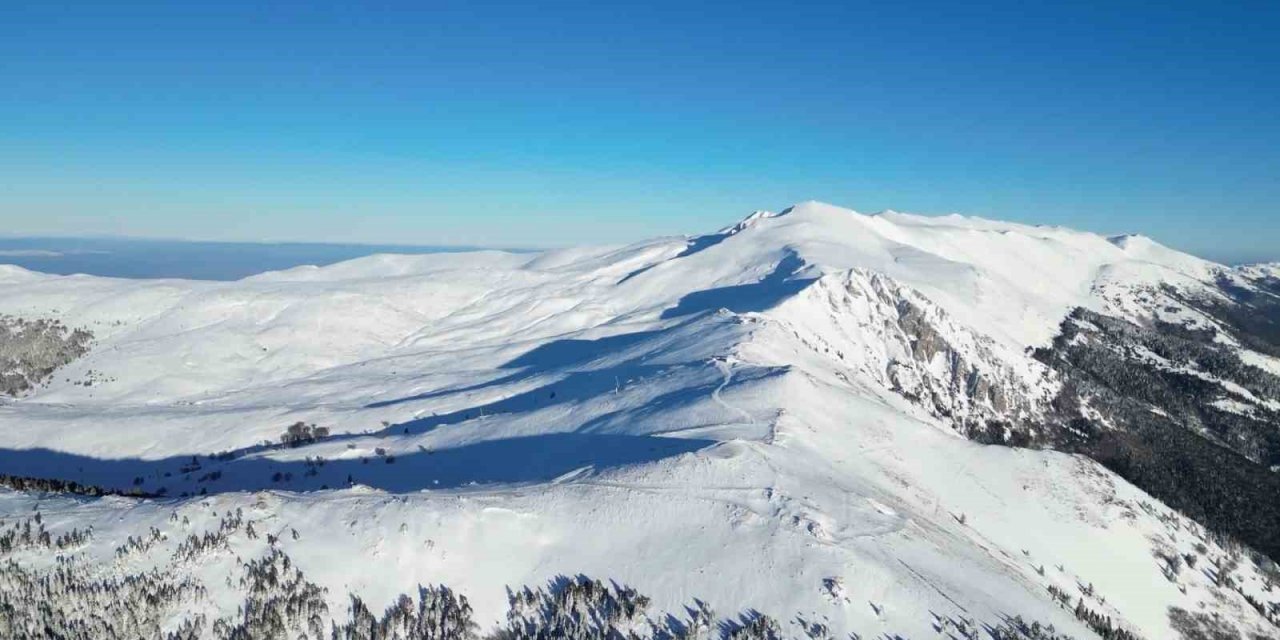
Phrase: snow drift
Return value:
(777, 418)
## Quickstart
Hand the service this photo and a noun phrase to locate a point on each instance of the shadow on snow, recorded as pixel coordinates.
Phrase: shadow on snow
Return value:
(529, 459)
(525, 459)
(742, 298)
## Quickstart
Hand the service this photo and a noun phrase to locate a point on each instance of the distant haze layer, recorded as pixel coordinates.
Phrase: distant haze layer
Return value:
(136, 258)
(204, 260)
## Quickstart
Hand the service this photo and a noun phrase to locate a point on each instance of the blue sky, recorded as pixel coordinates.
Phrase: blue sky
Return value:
(539, 124)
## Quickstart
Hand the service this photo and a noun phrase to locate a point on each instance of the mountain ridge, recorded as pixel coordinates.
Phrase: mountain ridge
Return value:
(797, 401)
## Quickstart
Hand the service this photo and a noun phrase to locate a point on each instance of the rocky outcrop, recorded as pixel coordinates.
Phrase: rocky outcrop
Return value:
(879, 330)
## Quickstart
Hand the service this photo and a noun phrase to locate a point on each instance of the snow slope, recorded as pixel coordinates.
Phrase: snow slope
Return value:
(747, 418)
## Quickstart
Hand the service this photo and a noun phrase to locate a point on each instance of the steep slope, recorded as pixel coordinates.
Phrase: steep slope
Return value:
(1182, 397)
(786, 417)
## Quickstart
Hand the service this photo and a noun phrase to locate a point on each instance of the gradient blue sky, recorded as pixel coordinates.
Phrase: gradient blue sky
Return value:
(563, 123)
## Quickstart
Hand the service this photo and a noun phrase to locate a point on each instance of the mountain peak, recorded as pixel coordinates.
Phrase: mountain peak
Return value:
(793, 392)
(817, 207)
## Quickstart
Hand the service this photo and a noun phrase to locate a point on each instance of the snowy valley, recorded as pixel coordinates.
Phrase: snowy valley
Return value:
(811, 424)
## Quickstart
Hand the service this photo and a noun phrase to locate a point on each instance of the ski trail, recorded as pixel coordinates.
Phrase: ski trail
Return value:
(726, 368)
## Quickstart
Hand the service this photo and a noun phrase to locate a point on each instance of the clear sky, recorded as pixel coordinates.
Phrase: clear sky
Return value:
(553, 123)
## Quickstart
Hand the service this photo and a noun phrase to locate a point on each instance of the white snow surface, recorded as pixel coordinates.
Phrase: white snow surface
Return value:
(670, 415)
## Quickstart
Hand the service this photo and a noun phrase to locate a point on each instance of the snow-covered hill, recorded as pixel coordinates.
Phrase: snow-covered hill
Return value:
(789, 417)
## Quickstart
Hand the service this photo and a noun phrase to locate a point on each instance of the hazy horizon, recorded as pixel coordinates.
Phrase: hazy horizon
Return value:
(457, 123)
(141, 257)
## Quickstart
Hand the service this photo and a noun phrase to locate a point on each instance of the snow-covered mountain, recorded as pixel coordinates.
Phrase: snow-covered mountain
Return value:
(848, 425)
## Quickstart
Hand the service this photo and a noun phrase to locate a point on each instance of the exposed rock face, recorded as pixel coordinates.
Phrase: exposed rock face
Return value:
(1176, 388)
(879, 329)
(779, 405)
(31, 350)
(961, 383)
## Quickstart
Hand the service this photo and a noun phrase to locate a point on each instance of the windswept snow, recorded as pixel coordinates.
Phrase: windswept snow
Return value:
(727, 417)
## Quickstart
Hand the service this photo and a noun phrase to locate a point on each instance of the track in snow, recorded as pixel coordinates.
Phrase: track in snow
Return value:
(726, 368)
